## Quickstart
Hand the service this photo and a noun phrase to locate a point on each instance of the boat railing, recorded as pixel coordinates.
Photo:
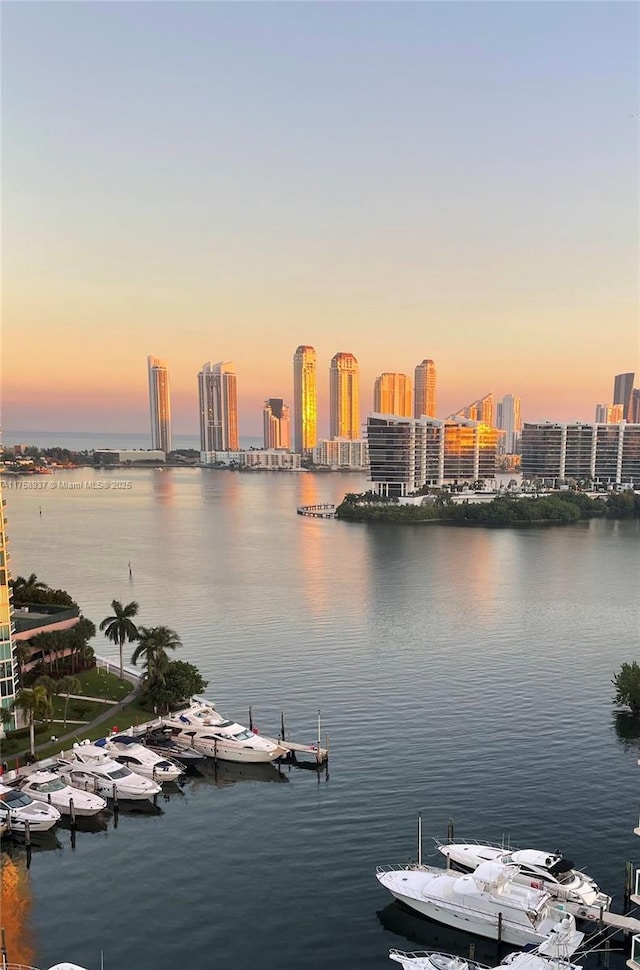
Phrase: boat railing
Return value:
(410, 866)
(507, 846)
(425, 954)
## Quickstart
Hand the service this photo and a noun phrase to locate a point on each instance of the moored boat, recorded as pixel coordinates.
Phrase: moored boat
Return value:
(18, 809)
(200, 726)
(46, 786)
(128, 750)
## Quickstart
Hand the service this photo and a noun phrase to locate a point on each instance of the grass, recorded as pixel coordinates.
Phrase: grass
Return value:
(133, 714)
(99, 683)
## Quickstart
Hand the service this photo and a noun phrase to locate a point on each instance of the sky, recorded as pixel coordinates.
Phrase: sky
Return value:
(225, 181)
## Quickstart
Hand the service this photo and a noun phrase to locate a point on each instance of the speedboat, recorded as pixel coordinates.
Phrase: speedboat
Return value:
(429, 960)
(45, 786)
(128, 751)
(201, 727)
(541, 870)
(161, 741)
(487, 902)
(93, 770)
(17, 808)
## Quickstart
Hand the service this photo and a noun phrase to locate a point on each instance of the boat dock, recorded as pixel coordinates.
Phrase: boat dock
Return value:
(296, 751)
(628, 924)
(326, 511)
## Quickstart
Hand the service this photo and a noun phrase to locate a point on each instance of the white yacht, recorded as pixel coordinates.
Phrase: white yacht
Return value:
(128, 751)
(200, 726)
(541, 870)
(487, 902)
(17, 808)
(428, 960)
(93, 770)
(45, 786)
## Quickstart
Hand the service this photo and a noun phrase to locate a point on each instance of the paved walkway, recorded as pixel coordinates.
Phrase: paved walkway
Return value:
(98, 700)
(100, 719)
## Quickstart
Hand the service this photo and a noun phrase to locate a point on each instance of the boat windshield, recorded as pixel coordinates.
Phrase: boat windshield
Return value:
(16, 799)
(244, 735)
(121, 772)
(56, 784)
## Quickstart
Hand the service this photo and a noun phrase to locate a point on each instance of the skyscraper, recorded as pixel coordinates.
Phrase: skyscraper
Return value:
(424, 402)
(276, 424)
(508, 420)
(7, 659)
(305, 404)
(344, 395)
(218, 398)
(159, 404)
(392, 395)
(622, 392)
(481, 410)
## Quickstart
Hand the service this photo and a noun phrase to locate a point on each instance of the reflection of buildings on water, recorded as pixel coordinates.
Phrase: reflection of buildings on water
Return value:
(15, 908)
(226, 773)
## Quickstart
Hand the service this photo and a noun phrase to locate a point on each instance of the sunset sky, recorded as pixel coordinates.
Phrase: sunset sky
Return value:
(203, 181)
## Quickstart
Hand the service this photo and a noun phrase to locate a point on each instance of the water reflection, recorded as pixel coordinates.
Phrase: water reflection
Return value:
(15, 906)
(226, 773)
(627, 727)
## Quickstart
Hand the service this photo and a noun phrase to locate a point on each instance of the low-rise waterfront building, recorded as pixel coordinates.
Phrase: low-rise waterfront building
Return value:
(32, 619)
(268, 459)
(407, 453)
(130, 456)
(606, 453)
(342, 453)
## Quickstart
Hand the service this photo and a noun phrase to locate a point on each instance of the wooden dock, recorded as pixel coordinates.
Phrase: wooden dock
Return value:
(326, 511)
(628, 924)
(295, 752)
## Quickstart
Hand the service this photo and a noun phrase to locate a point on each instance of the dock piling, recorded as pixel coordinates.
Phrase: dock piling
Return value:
(27, 840)
(472, 951)
(450, 830)
(283, 735)
(499, 927)
(250, 718)
(72, 813)
(3, 949)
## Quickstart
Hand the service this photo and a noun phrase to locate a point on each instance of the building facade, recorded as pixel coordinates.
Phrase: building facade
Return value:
(424, 385)
(508, 419)
(481, 411)
(609, 413)
(256, 460)
(342, 453)
(392, 395)
(7, 653)
(305, 400)
(218, 402)
(276, 424)
(605, 453)
(406, 454)
(622, 392)
(159, 404)
(344, 397)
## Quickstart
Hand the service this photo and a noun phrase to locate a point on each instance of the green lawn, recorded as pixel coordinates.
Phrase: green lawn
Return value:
(133, 714)
(99, 683)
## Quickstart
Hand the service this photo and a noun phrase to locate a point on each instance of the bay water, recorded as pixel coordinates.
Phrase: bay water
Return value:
(461, 673)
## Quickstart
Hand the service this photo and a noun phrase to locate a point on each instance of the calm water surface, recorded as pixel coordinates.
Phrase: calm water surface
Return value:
(460, 673)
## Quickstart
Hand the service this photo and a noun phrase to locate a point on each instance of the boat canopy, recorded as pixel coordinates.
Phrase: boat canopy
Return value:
(562, 865)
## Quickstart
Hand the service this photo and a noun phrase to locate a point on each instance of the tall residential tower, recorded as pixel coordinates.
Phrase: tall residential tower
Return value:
(508, 420)
(305, 404)
(159, 404)
(622, 392)
(392, 395)
(218, 398)
(276, 424)
(344, 396)
(424, 402)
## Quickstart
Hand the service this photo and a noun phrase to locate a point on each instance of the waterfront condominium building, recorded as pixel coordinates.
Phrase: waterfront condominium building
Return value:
(609, 413)
(605, 453)
(424, 390)
(341, 453)
(344, 397)
(508, 420)
(481, 411)
(218, 399)
(7, 656)
(305, 403)
(407, 453)
(159, 404)
(622, 392)
(392, 395)
(276, 424)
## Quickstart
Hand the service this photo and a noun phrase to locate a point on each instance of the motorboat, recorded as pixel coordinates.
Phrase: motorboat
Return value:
(429, 960)
(488, 902)
(17, 808)
(45, 786)
(541, 870)
(92, 769)
(161, 741)
(200, 726)
(128, 751)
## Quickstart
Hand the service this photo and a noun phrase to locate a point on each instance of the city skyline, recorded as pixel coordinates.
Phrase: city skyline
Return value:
(504, 244)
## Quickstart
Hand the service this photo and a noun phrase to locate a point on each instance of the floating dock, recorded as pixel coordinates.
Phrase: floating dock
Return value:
(326, 511)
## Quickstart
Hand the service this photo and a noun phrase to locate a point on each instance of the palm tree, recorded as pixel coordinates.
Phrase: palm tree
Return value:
(120, 627)
(68, 685)
(153, 645)
(24, 588)
(35, 705)
(23, 652)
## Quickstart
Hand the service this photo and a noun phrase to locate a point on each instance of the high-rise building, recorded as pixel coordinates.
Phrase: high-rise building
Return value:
(392, 395)
(609, 413)
(218, 398)
(344, 397)
(608, 453)
(634, 417)
(622, 391)
(305, 403)
(424, 398)
(7, 657)
(276, 424)
(159, 404)
(508, 420)
(481, 410)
